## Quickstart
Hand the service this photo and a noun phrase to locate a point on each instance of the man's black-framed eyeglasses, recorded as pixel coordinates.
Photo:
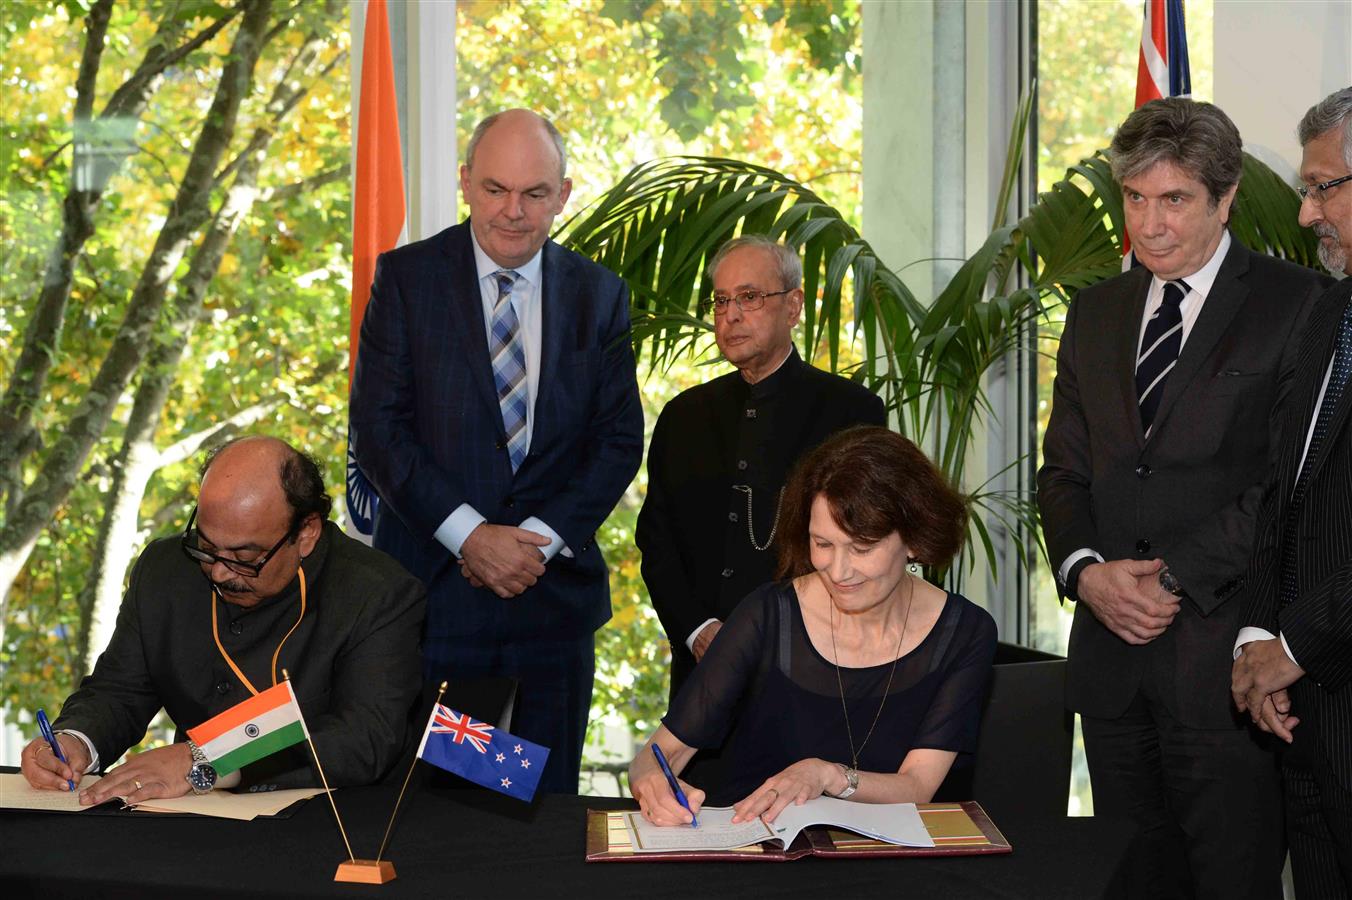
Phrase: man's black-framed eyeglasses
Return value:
(191, 546)
(1316, 192)
(747, 301)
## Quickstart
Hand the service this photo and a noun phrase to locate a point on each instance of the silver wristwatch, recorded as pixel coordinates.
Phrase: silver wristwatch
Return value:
(851, 782)
(202, 775)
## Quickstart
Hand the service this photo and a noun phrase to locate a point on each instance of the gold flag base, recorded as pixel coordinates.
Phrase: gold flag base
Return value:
(365, 871)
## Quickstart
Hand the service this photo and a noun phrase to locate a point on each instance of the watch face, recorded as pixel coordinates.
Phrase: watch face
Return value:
(202, 777)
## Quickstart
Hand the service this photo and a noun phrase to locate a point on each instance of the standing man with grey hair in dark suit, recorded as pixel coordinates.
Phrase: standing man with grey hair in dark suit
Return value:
(1293, 660)
(1161, 437)
(495, 409)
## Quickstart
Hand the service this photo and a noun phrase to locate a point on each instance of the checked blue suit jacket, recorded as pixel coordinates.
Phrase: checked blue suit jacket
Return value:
(427, 431)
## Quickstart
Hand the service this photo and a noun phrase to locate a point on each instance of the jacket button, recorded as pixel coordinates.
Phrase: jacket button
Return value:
(236, 627)
(222, 687)
(727, 573)
(741, 465)
(1142, 546)
(500, 445)
(732, 517)
(510, 503)
(1142, 471)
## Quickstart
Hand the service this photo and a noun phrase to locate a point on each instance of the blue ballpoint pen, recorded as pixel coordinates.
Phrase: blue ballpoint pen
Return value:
(675, 787)
(51, 739)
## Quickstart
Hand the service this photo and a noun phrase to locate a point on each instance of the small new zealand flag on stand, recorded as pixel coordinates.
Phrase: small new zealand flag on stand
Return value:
(480, 753)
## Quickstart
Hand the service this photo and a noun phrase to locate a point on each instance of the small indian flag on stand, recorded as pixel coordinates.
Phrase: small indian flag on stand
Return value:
(249, 731)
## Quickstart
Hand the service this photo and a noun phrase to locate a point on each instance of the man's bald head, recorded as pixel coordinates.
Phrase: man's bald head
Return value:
(257, 491)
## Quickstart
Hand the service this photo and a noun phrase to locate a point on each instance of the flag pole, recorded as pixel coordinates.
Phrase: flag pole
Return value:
(385, 840)
(327, 790)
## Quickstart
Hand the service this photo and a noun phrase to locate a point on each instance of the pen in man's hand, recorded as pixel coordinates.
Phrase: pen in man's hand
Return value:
(675, 787)
(50, 738)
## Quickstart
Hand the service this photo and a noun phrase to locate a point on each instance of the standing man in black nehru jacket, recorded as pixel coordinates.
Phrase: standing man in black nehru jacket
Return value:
(721, 452)
(259, 582)
(496, 411)
(1293, 660)
(1162, 434)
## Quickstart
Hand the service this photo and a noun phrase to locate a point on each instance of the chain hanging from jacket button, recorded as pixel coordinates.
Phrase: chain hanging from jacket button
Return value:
(750, 522)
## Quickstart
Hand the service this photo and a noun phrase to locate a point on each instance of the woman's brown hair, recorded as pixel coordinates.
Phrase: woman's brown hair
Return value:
(875, 482)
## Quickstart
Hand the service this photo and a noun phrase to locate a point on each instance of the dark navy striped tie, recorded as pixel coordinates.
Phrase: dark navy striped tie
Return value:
(1159, 352)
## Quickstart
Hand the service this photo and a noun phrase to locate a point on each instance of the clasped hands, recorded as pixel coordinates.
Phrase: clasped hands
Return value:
(1126, 596)
(1258, 681)
(150, 775)
(502, 558)
(796, 785)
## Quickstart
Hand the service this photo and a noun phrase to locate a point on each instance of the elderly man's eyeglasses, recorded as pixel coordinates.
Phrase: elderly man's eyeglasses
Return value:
(747, 301)
(1315, 192)
(192, 541)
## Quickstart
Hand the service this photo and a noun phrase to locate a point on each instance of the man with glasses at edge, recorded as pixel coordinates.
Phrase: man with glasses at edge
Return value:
(721, 453)
(1293, 659)
(259, 582)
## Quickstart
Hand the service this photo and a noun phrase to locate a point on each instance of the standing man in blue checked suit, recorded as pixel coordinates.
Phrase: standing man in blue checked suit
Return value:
(496, 411)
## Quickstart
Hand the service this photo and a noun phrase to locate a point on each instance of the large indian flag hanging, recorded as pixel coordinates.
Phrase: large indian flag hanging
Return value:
(249, 731)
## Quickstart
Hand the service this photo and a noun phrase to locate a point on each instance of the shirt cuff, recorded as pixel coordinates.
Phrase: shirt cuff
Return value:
(453, 532)
(1250, 633)
(556, 545)
(1075, 557)
(690, 641)
(89, 745)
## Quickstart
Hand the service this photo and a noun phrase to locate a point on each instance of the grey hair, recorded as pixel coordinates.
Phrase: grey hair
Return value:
(787, 263)
(1196, 137)
(1326, 115)
(482, 128)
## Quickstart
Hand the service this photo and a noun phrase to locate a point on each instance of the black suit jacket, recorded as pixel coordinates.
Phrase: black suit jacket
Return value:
(427, 430)
(1318, 623)
(1190, 494)
(698, 561)
(353, 660)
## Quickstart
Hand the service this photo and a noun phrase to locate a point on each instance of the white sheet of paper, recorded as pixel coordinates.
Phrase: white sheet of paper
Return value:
(892, 823)
(716, 831)
(225, 805)
(17, 793)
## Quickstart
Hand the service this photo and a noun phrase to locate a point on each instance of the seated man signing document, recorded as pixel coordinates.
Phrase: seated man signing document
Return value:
(259, 582)
(853, 678)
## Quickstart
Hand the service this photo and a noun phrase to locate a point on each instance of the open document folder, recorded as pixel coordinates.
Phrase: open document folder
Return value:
(814, 829)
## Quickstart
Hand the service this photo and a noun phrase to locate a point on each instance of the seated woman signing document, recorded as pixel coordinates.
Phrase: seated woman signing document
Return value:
(853, 677)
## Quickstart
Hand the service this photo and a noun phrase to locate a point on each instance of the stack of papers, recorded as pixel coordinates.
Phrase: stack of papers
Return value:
(16, 793)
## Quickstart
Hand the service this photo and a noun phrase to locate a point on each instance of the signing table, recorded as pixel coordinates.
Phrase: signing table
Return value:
(452, 841)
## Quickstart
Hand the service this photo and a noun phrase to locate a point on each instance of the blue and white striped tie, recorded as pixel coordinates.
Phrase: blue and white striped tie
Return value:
(509, 367)
(1159, 352)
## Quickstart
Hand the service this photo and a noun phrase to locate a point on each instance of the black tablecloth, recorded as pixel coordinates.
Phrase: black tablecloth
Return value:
(463, 842)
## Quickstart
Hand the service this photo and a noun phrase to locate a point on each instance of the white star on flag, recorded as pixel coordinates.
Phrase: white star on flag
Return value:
(501, 757)
(525, 764)
(517, 749)
(506, 782)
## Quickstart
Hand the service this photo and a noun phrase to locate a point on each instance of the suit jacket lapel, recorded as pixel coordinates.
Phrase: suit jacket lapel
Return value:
(1327, 330)
(465, 308)
(1223, 302)
(553, 316)
(1127, 331)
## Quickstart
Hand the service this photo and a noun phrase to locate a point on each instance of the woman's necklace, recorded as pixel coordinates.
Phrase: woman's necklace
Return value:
(849, 733)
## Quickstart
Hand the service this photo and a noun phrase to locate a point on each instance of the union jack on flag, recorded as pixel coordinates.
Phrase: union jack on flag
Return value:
(478, 752)
(461, 728)
(1162, 67)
